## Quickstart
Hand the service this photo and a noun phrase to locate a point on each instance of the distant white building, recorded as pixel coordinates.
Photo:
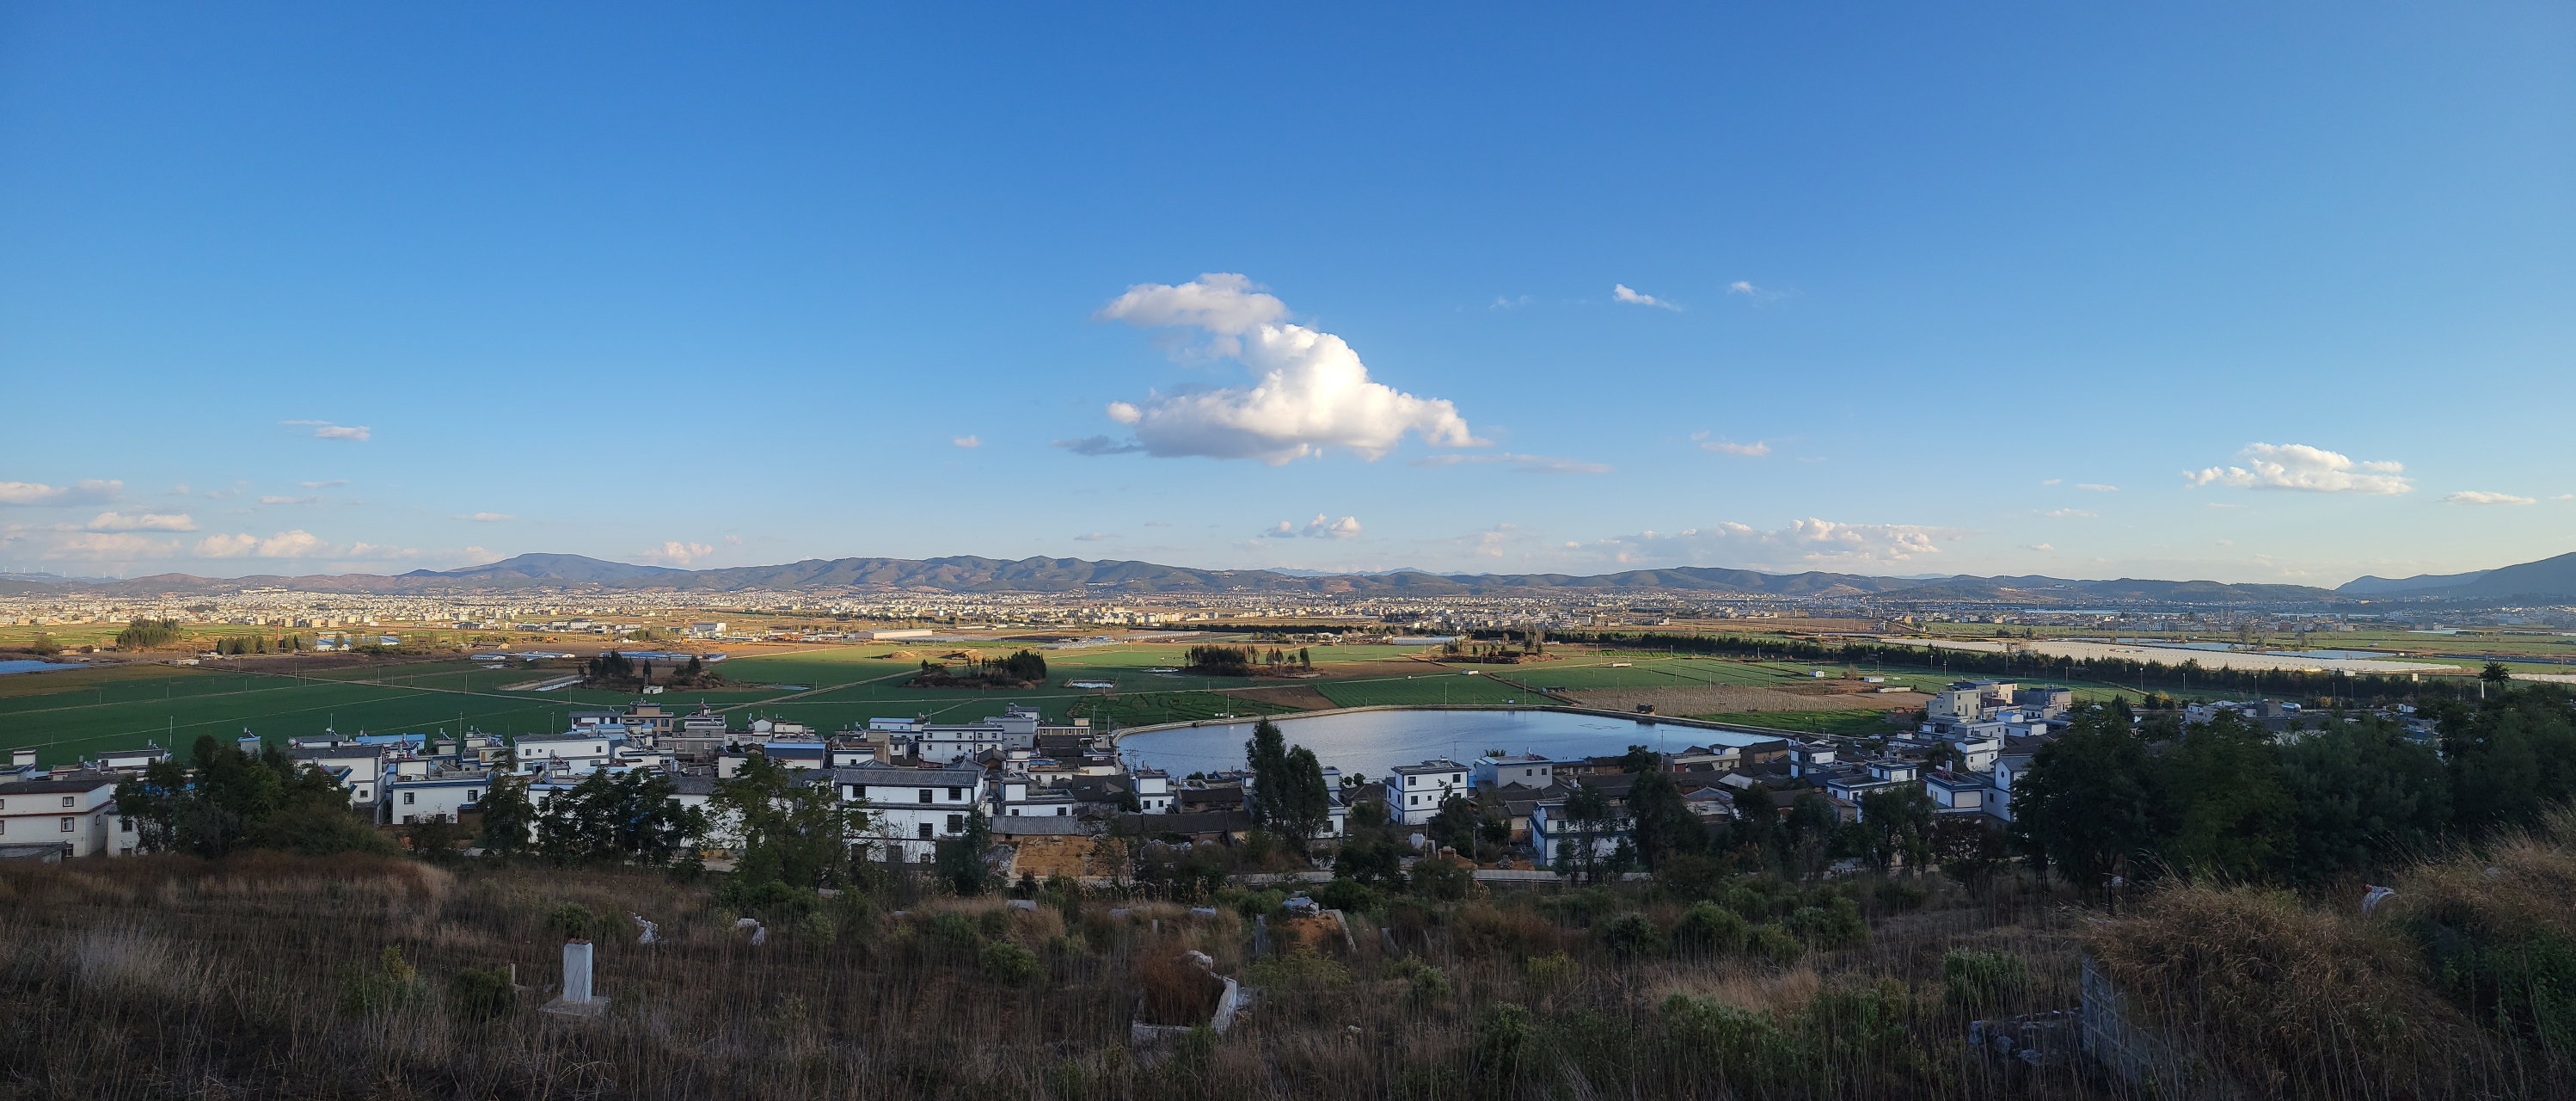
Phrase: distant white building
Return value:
(912, 809)
(1418, 790)
(578, 751)
(76, 810)
(412, 800)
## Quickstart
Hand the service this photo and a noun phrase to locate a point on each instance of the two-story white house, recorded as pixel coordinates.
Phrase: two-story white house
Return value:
(360, 768)
(1528, 770)
(578, 751)
(1418, 790)
(2008, 768)
(74, 809)
(414, 799)
(912, 809)
(1153, 790)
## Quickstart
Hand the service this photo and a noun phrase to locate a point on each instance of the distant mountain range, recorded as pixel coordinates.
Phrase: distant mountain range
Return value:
(2549, 577)
(2552, 579)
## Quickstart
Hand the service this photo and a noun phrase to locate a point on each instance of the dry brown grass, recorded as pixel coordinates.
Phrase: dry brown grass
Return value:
(160, 978)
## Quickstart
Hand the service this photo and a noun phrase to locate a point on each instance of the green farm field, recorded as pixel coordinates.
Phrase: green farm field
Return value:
(1422, 689)
(1855, 723)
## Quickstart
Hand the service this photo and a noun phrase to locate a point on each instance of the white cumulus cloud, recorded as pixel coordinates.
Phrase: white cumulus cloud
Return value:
(2482, 497)
(967, 441)
(1321, 527)
(675, 553)
(149, 521)
(1805, 545)
(87, 492)
(2297, 466)
(285, 544)
(2097, 487)
(1621, 292)
(1311, 392)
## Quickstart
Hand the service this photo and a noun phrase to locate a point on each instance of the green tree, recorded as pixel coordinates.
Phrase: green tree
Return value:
(2220, 806)
(1897, 822)
(629, 817)
(1588, 818)
(1640, 759)
(785, 829)
(2358, 795)
(1662, 822)
(960, 862)
(2495, 674)
(1456, 824)
(509, 819)
(2084, 804)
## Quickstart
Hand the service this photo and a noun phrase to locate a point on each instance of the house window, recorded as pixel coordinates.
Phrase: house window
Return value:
(472, 795)
(67, 800)
(925, 795)
(955, 794)
(1059, 812)
(125, 825)
(925, 831)
(1410, 781)
(1015, 812)
(956, 823)
(67, 823)
(407, 798)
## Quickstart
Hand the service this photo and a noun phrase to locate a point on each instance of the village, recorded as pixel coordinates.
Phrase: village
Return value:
(1047, 794)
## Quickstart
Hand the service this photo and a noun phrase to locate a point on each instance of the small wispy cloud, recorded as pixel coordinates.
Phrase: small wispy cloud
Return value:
(2097, 487)
(325, 430)
(487, 517)
(1520, 464)
(2052, 481)
(1754, 450)
(1099, 445)
(2482, 497)
(1760, 296)
(2043, 548)
(88, 492)
(1505, 302)
(149, 521)
(967, 441)
(1093, 537)
(1621, 292)
(324, 485)
(313, 500)
(2066, 512)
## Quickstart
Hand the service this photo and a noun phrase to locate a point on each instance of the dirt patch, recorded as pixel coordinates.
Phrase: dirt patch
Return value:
(1050, 856)
(1728, 699)
(1298, 696)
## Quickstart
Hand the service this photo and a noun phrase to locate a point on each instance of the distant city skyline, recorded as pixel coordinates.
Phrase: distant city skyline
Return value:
(2191, 293)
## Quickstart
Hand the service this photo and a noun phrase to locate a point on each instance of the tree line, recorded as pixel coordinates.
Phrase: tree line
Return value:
(2140, 800)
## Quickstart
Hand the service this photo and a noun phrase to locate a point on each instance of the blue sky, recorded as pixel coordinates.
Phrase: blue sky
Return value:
(1879, 288)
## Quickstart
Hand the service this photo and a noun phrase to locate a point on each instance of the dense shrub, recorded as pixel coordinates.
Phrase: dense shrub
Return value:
(952, 936)
(1347, 895)
(1630, 936)
(480, 994)
(1777, 945)
(1978, 981)
(1836, 924)
(1707, 927)
(1011, 965)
